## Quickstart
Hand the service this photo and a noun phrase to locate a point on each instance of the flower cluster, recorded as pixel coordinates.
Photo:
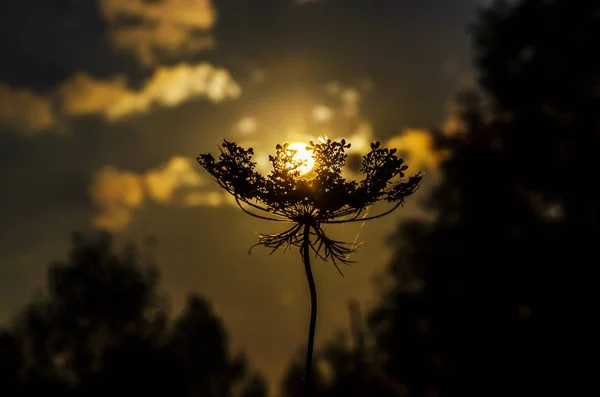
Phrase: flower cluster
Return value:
(320, 196)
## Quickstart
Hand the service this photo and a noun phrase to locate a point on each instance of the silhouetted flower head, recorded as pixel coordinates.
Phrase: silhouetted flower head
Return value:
(320, 196)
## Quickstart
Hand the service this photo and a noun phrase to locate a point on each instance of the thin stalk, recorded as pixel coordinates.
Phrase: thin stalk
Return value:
(308, 378)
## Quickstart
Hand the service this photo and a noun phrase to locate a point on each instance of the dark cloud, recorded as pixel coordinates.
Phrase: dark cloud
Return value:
(44, 42)
(402, 46)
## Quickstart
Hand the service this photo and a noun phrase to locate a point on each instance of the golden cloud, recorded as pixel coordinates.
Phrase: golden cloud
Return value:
(116, 193)
(24, 110)
(168, 87)
(350, 97)
(210, 199)
(322, 113)
(167, 26)
(84, 95)
(162, 182)
(246, 126)
(361, 138)
(419, 147)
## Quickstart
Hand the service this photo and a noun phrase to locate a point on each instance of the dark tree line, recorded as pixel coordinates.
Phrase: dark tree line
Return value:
(102, 327)
(495, 296)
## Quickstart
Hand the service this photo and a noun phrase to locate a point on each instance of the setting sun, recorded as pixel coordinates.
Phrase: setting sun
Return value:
(304, 155)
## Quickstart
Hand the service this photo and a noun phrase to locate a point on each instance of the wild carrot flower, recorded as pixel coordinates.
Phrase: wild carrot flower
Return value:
(319, 197)
(312, 199)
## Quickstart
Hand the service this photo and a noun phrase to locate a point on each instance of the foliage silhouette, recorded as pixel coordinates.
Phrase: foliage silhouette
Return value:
(103, 327)
(291, 385)
(309, 201)
(496, 310)
(346, 367)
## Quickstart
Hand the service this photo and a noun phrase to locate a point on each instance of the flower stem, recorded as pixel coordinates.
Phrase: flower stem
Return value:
(308, 378)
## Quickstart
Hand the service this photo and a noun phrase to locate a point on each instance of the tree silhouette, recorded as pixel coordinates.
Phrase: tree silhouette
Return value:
(494, 311)
(291, 384)
(312, 200)
(346, 366)
(102, 327)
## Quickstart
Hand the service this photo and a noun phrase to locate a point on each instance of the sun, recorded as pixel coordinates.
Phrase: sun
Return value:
(304, 155)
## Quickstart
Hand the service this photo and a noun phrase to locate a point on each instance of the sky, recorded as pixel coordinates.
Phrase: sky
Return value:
(105, 104)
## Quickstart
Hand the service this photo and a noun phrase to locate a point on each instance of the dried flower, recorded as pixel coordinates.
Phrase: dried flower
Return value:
(321, 196)
(310, 200)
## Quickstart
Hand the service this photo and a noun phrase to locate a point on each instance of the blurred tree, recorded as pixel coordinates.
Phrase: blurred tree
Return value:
(208, 367)
(490, 296)
(346, 367)
(103, 328)
(10, 360)
(292, 384)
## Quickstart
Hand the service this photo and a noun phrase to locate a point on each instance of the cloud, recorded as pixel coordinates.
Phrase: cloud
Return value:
(209, 199)
(349, 96)
(162, 182)
(24, 110)
(362, 137)
(419, 149)
(84, 95)
(322, 113)
(350, 99)
(246, 126)
(168, 87)
(171, 27)
(116, 194)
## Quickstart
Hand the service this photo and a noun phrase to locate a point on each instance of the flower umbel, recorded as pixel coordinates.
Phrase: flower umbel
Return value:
(313, 199)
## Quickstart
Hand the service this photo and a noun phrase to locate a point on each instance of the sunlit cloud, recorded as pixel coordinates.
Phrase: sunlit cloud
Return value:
(350, 99)
(322, 113)
(361, 138)
(419, 148)
(172, 27)
(206, 199)
(24, 110)
(84, 95)
(116, 194)
(246, 126)
(320, 118)
(349, 96)
(162, 182)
